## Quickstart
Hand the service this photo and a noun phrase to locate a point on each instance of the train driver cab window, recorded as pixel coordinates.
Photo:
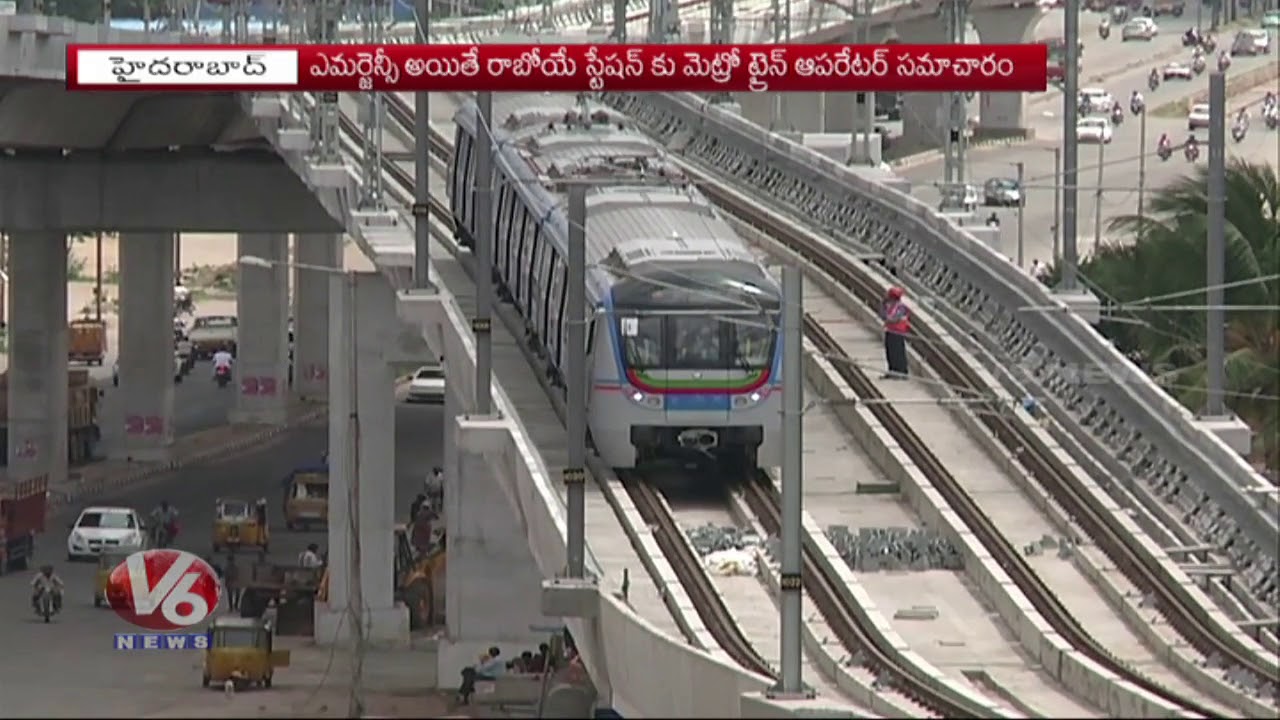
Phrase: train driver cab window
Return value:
(696, 342)
(642, 341)
(753, 342)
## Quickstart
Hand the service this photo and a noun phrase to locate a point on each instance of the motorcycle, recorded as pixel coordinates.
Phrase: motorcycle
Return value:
(162, 534)
(1137, 106)
(1238, 132)
(1192, 152)
(46, 607)
(1271, 119)
(1197, 65)
(1208, 43)
(1191, 37)
(1104, 31)
(1153, 80)
(222, 376)
(1117, 115)
(1224, 62)
(1164, 152)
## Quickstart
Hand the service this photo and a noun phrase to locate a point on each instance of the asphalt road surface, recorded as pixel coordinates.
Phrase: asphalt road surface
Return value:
(69, 669)
(1120, 159)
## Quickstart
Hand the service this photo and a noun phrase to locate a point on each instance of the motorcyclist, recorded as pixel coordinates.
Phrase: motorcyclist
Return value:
(222, 360)
(1153, 80)
(1224, 60)
(46, 581)
(1269, 100)
(1104, 28)
(1192, 35)
(1137, 103)
(1117, 114)
(164, 518)
(1242, 118)
(1192, 148)
(1164, 143)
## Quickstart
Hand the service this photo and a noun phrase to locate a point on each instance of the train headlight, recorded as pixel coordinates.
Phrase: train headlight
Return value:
(746, 401)
(653, 402)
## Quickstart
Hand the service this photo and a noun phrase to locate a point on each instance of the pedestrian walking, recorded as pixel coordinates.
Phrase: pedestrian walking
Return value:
(897, 326)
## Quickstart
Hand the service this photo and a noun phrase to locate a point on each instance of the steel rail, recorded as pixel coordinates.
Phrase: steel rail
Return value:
(692, 574)
(861, 642)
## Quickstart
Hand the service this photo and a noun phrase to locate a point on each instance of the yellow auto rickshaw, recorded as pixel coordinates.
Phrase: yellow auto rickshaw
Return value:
(240, 650)
(237, 524)
(306, 498)
(107, 562)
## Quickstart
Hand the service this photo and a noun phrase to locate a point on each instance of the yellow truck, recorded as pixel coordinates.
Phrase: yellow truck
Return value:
(86, 341)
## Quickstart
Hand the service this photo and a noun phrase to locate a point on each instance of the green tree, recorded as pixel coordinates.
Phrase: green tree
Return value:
(1163, 259)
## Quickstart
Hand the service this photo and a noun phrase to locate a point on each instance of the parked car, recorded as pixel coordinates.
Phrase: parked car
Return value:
(1093, 130)
(1198, 117)
(1139, 29)
(1002, 192)
(427, 385)
(1271, 20)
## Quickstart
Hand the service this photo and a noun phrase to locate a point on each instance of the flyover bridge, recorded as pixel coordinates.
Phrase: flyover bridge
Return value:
(127, 150)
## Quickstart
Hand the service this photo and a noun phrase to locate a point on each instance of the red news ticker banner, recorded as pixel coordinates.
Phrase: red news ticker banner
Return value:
(559, 68)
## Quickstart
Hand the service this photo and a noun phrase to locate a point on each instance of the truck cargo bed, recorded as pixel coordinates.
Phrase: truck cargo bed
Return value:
(22, 513)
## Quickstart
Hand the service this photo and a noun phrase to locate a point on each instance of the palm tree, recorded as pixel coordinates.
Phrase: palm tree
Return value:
(1165, 262)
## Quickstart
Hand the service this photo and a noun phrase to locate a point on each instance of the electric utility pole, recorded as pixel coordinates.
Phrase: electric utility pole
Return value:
(422, 164)
(1216, 321)
(1071, 156)
(481, 324)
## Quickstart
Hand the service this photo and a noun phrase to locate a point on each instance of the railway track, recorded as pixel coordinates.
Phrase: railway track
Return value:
(1048, 470)
(861, 642)
(688, 567)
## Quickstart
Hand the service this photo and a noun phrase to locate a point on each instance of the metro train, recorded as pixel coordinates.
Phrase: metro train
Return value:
(683, 324)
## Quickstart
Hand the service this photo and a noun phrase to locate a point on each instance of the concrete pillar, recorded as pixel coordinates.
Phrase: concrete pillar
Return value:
(262, 342)
(1003, 115)
(924, 115)
(37, 375)
(311, 313)
(453, 407)
(493, 584)
(375, 326)
(146, 389)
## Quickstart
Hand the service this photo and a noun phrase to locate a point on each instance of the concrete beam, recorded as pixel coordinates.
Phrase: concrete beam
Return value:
(198, 191)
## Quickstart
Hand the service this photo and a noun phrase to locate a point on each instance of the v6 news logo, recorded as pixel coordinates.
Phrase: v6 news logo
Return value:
(163, 589)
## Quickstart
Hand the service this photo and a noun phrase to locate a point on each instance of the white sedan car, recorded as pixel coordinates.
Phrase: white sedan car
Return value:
(427, 385)
(110, 529)
(1177, 71)
(1198, 117)
(1139, 29)
(1093, 130)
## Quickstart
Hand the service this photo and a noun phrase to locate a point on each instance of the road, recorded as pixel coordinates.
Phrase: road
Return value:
(68, 669)
(198, 404)
(1120, 161)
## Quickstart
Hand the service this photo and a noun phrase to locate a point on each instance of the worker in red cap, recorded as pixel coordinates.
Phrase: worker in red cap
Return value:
(897, 326)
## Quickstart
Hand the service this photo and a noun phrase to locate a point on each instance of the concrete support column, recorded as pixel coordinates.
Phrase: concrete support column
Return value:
(262, 342)
(37, 376)
(372, 429)
(146, 389)
(311, 313)
(1002, 115)
(453, 407)
(925, 116)
(493, 584)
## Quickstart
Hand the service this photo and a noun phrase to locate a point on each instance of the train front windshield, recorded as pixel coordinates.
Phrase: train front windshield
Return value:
(743, 342)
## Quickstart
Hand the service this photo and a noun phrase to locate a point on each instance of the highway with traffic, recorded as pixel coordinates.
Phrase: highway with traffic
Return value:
(75, 650)
(1119, 159)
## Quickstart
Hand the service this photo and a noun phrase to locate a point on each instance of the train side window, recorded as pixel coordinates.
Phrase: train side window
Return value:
(459, 137)
(535, 280)
(468, 191)
(520, 227)
(499, 223)
(591, 336)
(527, 258)
(543, 287)
(562, 294)
(555, 308)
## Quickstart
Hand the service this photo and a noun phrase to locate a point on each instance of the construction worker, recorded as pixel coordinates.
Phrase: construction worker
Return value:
(897, 326)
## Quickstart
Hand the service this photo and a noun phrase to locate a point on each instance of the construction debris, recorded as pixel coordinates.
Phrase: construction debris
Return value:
(708, 539)
(894, 548)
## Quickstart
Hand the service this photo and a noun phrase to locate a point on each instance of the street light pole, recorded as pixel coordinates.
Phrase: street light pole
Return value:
(1022, 204)
(1097, 198)
(1057, 205)
(1071, 161)
(422, 165)
(790, 681)
(1142, 169)
(576, 382)
(480, 325)
(1215, 325)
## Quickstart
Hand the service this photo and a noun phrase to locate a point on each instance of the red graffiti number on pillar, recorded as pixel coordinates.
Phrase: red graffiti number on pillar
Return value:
(267, 386)
(153, 425)
(318, 372)
(28, 450)
(249, 386)
(135, 425)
